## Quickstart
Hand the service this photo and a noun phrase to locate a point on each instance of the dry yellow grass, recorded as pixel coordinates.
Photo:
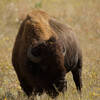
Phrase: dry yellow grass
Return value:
(82, 15)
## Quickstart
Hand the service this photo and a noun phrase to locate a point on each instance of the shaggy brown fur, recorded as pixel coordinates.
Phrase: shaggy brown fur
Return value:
(49, 39)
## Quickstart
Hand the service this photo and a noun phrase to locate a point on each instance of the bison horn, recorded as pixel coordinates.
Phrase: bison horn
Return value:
(32, 57)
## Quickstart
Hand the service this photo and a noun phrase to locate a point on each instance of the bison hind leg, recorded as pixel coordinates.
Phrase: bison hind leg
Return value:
(77, 74)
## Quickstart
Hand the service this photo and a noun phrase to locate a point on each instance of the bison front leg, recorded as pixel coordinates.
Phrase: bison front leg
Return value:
(26, 88)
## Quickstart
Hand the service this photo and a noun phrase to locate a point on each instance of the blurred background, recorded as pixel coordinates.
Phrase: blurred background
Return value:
(82, 15)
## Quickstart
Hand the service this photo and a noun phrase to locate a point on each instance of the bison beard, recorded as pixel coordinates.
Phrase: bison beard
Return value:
(49, 71)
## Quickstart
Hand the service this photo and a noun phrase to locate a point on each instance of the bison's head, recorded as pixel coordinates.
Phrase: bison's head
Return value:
(50, 54)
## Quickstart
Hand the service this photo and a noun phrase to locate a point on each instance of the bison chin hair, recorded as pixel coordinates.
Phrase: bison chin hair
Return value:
(47, 61)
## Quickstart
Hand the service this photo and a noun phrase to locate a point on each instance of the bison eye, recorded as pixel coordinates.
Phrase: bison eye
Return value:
(63, 49)
(52, 39)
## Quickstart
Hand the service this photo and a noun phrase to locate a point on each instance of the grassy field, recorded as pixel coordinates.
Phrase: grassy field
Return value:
(82, 15)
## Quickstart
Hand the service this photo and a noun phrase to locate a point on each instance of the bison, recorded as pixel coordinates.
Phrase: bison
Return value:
(44, 51)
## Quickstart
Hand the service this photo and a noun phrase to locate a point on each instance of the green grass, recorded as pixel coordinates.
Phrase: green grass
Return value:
(82, 15)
